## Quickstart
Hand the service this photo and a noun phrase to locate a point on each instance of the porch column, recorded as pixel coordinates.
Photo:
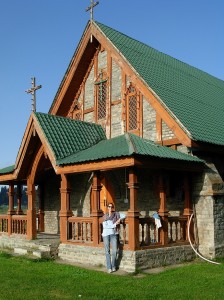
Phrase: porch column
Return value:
(31, 211)
(11, 210)
(19, 210)
(133, 212)
(187, 208)
(187, 199)
(41, 209)
(65, 211)
(96, 213)
(163, 212)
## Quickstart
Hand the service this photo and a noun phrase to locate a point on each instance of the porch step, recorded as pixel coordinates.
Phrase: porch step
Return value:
(45, 246)
(34, 252)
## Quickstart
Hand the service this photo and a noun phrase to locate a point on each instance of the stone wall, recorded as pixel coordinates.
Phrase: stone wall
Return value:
(115, 82)
(117, 127)
(89, 90)
(52, 203)
(129, 261)
(208, 198)
(149, 121)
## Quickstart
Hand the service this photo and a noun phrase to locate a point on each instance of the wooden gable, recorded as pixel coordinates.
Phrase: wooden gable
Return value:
(100, 86)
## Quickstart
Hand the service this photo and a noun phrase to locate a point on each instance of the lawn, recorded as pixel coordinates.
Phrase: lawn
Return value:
(23, 278)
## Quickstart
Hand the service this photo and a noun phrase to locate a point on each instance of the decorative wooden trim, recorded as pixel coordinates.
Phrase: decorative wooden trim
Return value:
(88, 110)
(169, 142)
(116, 102)
(158, 128)
(96, 165)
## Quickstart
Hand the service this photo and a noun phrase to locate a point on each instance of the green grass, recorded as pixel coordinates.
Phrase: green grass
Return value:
(23, 278)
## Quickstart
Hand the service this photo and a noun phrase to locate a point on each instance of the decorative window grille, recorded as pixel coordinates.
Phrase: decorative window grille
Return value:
(101, 96)
(132, 109)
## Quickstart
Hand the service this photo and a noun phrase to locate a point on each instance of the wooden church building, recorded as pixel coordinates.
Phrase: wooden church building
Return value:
(132, 126)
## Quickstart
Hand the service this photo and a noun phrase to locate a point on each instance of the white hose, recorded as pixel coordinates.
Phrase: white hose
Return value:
(188, 232)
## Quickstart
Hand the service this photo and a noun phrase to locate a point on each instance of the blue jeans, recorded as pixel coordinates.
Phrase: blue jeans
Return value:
(110, 240)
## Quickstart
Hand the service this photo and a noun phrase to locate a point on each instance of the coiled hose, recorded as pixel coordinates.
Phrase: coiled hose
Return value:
(197, 253)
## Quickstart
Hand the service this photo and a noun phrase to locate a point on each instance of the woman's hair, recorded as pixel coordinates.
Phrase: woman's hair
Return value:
(110, 204)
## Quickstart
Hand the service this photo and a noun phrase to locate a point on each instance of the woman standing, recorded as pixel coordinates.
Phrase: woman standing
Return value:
(110, 236)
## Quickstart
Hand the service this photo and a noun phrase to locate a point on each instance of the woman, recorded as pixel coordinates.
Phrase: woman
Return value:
(110, 236)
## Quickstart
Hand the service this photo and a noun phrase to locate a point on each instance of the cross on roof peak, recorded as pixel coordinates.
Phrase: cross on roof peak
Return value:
(32, 91)
(90, 8)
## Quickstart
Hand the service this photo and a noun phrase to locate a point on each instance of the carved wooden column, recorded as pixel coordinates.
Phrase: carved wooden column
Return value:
(11, 210)
(31, 211)
(163, 212)
(65, 211)
(96, 213)
(41, 209)
(187, 199)
(19, 210)
(187, 208)
(133, 212)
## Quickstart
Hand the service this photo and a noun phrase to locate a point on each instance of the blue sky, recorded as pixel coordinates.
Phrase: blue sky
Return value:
(38, 38)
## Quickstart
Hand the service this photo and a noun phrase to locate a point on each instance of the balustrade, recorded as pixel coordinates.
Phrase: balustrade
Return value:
(4, 223)
(19, 224)
(80, 229)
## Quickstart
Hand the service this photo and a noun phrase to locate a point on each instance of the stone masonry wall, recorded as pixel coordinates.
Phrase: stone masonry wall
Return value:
(208, 196)
(117, 127)
(129, 261)
(149, 121)
(167, 133)
(89, 90)
(115, 82)
(52, 204)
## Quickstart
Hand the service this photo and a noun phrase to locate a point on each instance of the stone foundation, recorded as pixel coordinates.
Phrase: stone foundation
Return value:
(129, 261)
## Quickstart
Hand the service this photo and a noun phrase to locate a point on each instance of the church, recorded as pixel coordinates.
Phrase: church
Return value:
(131, 126)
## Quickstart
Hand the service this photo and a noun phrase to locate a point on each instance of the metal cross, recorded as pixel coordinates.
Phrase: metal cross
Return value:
(92, 5)
(32, 91)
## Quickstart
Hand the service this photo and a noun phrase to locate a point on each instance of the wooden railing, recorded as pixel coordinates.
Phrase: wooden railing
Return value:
(149, 234)
(80, 229)
(177, 229)
(4, 223)
(19, 224)
(13, 224)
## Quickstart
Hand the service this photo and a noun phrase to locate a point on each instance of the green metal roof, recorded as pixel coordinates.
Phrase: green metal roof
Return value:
(195, 98)
(7, 170)
(125, 146)
(66, 136)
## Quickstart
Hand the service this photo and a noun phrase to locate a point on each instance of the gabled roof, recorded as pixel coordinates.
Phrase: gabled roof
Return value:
(7, 170)
(125, 146)
(194, 98)
(66, 136)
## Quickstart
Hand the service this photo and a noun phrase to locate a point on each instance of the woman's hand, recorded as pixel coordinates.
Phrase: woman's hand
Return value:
(118, 221)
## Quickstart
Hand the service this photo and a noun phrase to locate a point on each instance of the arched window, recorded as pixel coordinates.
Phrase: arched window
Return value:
(132, 104)
(101, 96)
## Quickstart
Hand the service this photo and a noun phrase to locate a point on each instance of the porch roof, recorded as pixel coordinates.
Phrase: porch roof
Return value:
(73, 142)
(125, 146)
(66, 136)
(7, 170)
